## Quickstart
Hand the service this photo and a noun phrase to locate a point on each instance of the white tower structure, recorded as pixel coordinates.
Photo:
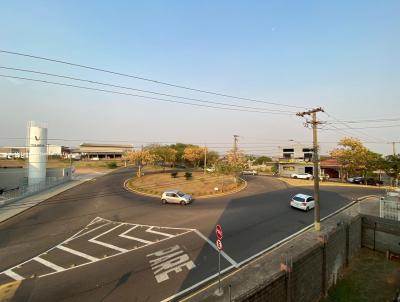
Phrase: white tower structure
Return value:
(37, 144)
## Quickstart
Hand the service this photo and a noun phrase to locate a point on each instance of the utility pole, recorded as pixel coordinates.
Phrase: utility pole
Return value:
(235, 147)
(315, 123)
(205, 159)
(140, 163)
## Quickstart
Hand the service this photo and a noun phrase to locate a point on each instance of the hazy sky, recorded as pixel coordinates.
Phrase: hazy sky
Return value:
(341, 55)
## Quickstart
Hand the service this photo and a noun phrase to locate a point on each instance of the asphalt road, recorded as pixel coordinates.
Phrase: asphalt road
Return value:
(99, 242)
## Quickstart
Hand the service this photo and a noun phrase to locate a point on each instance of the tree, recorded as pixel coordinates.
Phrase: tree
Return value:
(212, 157)
(236, 159)
(180, 148)
(141, 158)
(350, 154)
(163, 153)
(391, 165)
(262, 159)
(354, 158)
(194, 154)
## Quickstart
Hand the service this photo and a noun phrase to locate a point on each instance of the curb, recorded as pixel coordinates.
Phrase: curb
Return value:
(200, 197)
(330, 184)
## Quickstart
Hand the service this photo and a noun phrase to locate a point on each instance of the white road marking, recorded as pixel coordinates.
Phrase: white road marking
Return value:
(197, 284)
(49, 264)
(13, 275)
(117, 248)
(94, 220)
(78, 253)
(79, 234)
(150, 230)
(58, 269)
(133, 238)
(230, 260)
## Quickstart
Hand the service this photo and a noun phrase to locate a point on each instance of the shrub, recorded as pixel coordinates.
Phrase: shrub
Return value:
(174, 174)
(112, 165)
(188, 175)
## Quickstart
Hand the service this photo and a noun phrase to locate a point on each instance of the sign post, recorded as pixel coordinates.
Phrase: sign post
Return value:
(219, 234)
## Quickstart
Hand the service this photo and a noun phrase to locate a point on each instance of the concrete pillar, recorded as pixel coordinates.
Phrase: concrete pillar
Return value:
(37, 142)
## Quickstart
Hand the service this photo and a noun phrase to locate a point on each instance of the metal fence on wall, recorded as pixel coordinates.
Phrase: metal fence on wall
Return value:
(26, 189)
(390, 208)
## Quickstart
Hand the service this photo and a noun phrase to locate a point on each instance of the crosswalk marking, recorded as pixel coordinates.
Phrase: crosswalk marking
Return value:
(49, 264)
(13, 275)
(78, 253)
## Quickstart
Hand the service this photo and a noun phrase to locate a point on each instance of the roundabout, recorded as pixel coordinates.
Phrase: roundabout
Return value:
(99, 240)
(197, 184)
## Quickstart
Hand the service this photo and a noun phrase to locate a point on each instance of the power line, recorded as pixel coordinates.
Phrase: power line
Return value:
(146, 79)
(371, 120)
(278, 142)
(349, 127)
(141, 90)
(372, 127)
(139, 96)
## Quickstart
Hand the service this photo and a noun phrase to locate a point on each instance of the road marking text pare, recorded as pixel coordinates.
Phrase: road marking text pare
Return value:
(169, 260)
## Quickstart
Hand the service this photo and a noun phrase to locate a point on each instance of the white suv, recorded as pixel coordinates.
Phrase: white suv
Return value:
(175, 196)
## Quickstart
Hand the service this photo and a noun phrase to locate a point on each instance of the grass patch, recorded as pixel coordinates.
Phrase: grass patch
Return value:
(197, 184)
(370, 277)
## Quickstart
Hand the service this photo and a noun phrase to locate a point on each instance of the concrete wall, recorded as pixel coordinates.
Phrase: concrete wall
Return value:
(11, 178)
(304, 268)
(317, 269)
(381, 234)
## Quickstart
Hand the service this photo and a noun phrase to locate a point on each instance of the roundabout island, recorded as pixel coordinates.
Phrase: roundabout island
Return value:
(196, 183)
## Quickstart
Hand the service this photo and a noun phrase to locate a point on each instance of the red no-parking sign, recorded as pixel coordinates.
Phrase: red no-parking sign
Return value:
(218, 231)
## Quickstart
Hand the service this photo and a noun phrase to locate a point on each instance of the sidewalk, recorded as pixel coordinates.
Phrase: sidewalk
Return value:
(9, 210)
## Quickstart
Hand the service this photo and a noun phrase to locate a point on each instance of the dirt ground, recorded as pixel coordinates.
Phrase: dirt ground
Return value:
(198, 185)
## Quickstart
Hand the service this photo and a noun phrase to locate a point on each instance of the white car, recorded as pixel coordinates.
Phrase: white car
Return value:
(175, 196)
(302, 202)
(302, 176)
(211, 170)
(249, 172)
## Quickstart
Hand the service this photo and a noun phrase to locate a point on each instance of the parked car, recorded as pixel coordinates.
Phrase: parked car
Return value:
(249, 172)
(302, 175)
(374, 182)
(211, 170)
(361, 180)
(176, 196)
(302, 202)
(355, 179)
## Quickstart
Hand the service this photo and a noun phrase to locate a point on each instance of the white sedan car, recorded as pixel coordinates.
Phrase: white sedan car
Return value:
(302, 176)
(302, 202)
(249, 172)
(175, 196)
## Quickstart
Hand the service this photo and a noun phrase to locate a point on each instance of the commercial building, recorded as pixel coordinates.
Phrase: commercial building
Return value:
(103, 151)
(295, 159)
(13, 152)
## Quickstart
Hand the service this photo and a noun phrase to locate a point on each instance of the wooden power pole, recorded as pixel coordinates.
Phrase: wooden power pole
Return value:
(314, 123)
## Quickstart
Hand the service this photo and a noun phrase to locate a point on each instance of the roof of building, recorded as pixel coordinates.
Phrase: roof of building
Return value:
(330, 163)
(105, 145)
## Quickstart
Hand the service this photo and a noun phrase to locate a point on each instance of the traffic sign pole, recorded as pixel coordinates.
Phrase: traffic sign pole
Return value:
(219, 271)
(219, 234)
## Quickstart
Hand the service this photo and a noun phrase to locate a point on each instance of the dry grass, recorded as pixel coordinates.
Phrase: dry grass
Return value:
(198, 185)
